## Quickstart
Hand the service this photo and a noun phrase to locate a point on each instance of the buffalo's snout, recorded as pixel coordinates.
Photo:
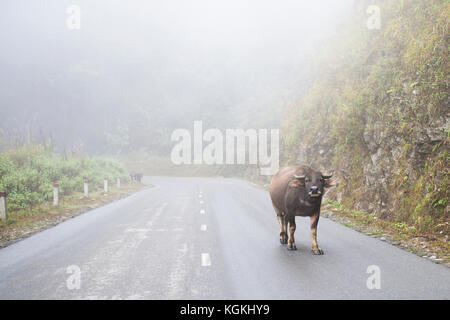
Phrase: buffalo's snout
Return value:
(314, 192)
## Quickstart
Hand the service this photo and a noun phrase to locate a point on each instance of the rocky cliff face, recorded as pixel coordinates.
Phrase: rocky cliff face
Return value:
(383, 124)
(389, 159)
(393, 168)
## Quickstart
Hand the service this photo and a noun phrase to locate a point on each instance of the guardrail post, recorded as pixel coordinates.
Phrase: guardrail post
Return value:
(3, 211)
(55, 194)
(105, 185)
(118, 182)
(86, 188)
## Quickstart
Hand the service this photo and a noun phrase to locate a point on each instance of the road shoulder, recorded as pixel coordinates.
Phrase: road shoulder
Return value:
(431, 246)
(23, 224)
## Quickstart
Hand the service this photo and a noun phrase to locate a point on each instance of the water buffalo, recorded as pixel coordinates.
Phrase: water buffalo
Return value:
(137, 176)
(297, 191)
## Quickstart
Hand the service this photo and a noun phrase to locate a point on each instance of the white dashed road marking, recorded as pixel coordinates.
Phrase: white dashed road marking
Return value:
(202, 211)
(203, 227)
(206, 260)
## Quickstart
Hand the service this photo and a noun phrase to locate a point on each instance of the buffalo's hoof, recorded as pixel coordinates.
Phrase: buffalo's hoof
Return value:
(317, 252)
(283, 238)
(291, 247)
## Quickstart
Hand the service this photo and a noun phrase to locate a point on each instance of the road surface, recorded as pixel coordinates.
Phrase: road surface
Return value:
(201, 238)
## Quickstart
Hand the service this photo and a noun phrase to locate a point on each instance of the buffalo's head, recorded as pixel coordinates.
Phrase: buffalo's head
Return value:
(314, 184)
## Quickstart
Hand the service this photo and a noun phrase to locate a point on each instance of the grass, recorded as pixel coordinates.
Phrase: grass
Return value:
(27, 174)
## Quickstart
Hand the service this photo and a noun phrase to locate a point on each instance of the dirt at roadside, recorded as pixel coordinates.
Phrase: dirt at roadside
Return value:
(434, 247)
(21, 225)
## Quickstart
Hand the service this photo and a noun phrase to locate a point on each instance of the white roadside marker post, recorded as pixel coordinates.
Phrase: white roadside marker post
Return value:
(118, 183)
(86, 188)
(105, 185)
(3, 211)
(55, 194)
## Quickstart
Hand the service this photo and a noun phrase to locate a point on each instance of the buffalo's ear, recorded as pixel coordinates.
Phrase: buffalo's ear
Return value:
(329, 183)
(296, 184)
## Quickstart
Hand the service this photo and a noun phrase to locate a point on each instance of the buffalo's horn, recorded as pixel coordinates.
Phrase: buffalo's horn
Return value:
(327, 176)
(299, 177)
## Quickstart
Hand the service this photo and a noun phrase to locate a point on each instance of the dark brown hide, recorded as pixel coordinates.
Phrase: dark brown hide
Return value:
(297, 191)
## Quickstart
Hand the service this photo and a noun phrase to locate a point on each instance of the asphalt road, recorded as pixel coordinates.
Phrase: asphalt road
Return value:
(200, 238)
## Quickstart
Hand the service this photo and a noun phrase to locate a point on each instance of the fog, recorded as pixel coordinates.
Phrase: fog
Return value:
(137, 70)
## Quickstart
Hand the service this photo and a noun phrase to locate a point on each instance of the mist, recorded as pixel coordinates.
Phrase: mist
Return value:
(136, 71)
(187, 150)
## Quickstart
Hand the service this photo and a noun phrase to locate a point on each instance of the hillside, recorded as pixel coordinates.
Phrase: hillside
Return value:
(378, 115)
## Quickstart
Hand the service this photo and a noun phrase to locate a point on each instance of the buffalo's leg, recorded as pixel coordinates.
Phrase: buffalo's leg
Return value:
(282, 221)
(315, 247)
(283, 231)
(291, 240)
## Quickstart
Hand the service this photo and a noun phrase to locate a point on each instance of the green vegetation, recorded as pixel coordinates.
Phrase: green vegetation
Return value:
(28, 173)
(392, 81)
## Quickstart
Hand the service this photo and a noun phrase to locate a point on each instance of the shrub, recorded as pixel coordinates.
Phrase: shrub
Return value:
(28, 173)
